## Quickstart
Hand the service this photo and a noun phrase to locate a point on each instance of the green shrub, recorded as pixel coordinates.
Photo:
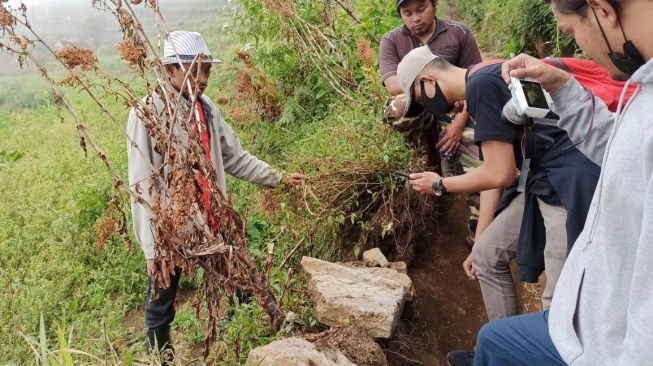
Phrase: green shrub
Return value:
(506, 27)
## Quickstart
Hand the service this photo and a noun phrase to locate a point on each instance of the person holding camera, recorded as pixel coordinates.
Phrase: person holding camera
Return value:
(602, 309)
(539, 218)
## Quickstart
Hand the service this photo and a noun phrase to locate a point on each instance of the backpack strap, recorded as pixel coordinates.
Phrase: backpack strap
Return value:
(474, 68)
(554, 61)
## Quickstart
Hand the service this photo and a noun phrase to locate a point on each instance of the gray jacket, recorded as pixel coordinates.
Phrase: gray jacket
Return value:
(602, 309)
(227, 156)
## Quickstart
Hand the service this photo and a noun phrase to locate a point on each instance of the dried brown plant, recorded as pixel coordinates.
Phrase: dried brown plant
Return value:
(318, 49)
(76, 56)
(252, 84)
(134, 54)
(6, 19)
(365, 52)
(182, 235)
(106, 228)
(281, 7)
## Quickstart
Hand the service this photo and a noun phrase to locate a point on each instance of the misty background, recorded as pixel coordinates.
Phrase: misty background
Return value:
(64, 23)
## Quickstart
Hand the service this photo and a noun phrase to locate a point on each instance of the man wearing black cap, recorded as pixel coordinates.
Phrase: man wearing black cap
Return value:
(448, 39)
(451, 40)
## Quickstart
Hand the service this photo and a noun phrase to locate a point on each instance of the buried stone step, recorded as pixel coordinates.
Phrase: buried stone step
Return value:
(371, 299)
(296, 352)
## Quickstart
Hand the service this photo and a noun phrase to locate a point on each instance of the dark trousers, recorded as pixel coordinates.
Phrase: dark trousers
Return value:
(161, 311)
(517, 341)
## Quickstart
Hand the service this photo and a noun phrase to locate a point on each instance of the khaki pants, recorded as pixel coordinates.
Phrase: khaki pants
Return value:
(497, 246)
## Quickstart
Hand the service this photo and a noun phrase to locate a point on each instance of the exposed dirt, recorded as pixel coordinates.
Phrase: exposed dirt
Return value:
(448, 310)
(357, 346)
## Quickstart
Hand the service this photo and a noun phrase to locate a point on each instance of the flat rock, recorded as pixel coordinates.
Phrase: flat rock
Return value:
(375, 258)
(296, 352)
(371, 299)
(400, 267)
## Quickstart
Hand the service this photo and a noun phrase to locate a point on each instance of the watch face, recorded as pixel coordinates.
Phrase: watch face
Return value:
(437, 188)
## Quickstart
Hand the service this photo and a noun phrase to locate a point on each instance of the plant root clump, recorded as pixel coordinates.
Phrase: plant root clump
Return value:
(355, 344)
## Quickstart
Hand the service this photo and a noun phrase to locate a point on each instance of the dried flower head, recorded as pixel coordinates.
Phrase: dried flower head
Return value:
(69, 81)
(6, 18)
(78, 56)
(106, 229)
(365, 52)
(244, 84)
(246, 58)
(22, 42)
(131, 53)
(281, 7)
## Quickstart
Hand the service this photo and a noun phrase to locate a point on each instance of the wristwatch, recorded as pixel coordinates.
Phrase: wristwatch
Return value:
(438, 187)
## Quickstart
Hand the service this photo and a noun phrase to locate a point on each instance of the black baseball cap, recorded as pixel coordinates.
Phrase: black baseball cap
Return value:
(399, 2)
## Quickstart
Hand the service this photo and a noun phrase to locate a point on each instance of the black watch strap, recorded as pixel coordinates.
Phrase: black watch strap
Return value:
(438, 187)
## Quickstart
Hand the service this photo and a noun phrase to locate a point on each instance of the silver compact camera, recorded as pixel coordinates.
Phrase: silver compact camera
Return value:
(529, 98)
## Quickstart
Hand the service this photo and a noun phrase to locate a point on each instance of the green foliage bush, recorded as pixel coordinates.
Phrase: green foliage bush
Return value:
(506, 27)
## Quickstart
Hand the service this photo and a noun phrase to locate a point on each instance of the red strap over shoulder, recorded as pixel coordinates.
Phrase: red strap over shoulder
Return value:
(481, 65)
(595, 78)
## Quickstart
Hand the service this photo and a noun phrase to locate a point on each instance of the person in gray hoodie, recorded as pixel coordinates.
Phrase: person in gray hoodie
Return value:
(602, 308)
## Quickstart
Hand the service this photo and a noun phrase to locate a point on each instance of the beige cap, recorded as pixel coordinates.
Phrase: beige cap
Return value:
(408, 70)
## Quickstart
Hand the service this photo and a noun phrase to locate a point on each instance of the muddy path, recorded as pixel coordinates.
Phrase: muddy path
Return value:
(448, 310)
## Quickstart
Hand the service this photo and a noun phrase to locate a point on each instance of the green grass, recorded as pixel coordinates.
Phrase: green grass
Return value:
(51, 199)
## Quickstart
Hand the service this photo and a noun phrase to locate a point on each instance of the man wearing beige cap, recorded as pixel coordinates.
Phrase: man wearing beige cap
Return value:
(535, 224)
(452, 40)
(222, 148)
(452, 134)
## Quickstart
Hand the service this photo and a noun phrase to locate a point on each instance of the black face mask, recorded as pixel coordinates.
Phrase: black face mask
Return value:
(630, 60)
(438, 104)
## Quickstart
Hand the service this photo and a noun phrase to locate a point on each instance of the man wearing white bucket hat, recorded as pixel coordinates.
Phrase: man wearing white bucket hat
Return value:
(222, 147)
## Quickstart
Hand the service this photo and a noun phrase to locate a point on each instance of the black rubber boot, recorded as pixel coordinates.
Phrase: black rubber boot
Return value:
(159, 339)
(460, 358)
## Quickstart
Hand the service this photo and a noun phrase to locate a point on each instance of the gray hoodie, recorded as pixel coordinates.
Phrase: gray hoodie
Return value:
(227, 156)
(602, 309)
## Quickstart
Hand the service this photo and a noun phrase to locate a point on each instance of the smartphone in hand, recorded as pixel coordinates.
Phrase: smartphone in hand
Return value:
(402, 173)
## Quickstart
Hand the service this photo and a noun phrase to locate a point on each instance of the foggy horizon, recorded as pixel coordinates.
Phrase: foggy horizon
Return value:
(62, 23)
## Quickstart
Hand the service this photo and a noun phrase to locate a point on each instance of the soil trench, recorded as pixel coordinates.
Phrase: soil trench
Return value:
(448, 310)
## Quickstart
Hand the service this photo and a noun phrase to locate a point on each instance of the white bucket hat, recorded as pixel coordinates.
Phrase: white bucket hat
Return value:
(182, 46)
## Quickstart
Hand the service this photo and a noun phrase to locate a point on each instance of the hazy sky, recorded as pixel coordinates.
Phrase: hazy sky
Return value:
(29, 3)
(62, 22)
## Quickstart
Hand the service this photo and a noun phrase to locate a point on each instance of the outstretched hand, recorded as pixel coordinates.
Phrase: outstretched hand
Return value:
(423, 182)
(294, 179)
(525, 66)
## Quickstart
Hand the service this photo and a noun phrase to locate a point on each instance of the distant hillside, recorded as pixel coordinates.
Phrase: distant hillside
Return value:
(59, 22)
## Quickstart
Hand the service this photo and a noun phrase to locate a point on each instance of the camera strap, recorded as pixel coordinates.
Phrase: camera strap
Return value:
(528, 149)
